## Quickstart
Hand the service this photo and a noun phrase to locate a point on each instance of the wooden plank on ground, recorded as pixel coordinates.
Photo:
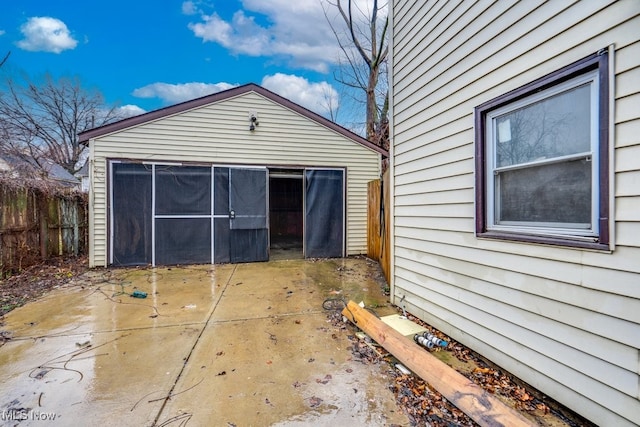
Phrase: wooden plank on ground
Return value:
(473, 400)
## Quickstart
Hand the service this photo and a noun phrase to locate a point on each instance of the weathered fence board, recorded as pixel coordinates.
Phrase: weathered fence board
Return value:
(35, 226)
(378, 223)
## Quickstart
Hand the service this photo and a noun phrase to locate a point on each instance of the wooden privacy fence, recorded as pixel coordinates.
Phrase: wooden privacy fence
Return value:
(378, 223)
(35, 226)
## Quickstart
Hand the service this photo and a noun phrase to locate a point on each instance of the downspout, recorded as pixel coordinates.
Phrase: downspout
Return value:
(90, 208)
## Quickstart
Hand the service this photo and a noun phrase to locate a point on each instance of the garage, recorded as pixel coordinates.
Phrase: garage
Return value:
(243, 175)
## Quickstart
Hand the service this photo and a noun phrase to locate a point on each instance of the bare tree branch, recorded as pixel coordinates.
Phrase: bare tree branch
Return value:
(365, 40)
(42, 121)
(5, 58)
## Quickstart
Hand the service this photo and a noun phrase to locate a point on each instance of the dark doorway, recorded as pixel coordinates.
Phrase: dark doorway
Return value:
(286, 218)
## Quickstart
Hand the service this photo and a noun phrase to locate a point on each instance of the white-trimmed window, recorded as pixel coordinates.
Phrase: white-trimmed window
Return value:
(542, 162)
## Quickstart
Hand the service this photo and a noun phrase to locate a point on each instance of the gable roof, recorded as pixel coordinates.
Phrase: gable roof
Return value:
(220, 96)
(27, 168)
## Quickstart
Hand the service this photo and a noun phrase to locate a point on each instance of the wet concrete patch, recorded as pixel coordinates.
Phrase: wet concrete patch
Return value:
(95, 376)
(284, 369)
(247, 344)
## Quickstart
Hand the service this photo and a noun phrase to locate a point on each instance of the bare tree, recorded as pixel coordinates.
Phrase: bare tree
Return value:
(364, 47)
(329, 103)
(535, 133)
(42, 122)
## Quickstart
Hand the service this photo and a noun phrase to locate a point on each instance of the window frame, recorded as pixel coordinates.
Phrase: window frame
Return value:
(597, 237)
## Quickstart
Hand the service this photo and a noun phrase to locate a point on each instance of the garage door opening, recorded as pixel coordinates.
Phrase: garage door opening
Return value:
(286, 214)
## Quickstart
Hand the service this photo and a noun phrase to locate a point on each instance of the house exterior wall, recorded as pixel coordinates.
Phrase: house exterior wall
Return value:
(219, 133)
(567, 321)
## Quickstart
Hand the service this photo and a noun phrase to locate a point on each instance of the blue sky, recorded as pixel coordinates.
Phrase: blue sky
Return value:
(144, 54)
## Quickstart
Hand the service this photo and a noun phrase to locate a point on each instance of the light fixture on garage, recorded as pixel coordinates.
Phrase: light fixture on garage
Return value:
(253, 120)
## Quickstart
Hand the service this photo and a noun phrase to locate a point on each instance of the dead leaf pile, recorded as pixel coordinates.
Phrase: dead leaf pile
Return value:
(36, 280)
(424, 405)
(499, 383)
(365, 352)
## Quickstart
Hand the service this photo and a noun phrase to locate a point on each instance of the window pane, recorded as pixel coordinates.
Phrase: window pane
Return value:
(183, 241)
(558, 193)
(131, 211)
(222, 240)
(553, 127)
(221, 191)
(183, 190)
(248, 198)
(324, 207)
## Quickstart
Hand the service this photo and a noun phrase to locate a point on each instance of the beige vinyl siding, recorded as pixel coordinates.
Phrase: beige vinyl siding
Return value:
(566, 321)
(219, 134)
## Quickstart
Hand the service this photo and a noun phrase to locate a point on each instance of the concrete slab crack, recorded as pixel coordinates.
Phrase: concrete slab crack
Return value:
(193, 347)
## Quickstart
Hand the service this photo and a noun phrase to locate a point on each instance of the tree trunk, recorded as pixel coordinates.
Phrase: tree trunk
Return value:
(372, 108)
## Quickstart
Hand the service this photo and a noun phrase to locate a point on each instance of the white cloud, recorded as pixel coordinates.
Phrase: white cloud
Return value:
(297, 31)
(43, 33)
(175, 93)
(2, 32)
(130, 110)
(214, 29)
(189, 8)
(320, 97)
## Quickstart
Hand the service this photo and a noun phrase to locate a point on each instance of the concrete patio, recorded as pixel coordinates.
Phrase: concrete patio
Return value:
(243, 345)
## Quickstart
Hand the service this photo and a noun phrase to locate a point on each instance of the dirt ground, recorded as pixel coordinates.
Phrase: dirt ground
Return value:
(422, 404)
(35, 281)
